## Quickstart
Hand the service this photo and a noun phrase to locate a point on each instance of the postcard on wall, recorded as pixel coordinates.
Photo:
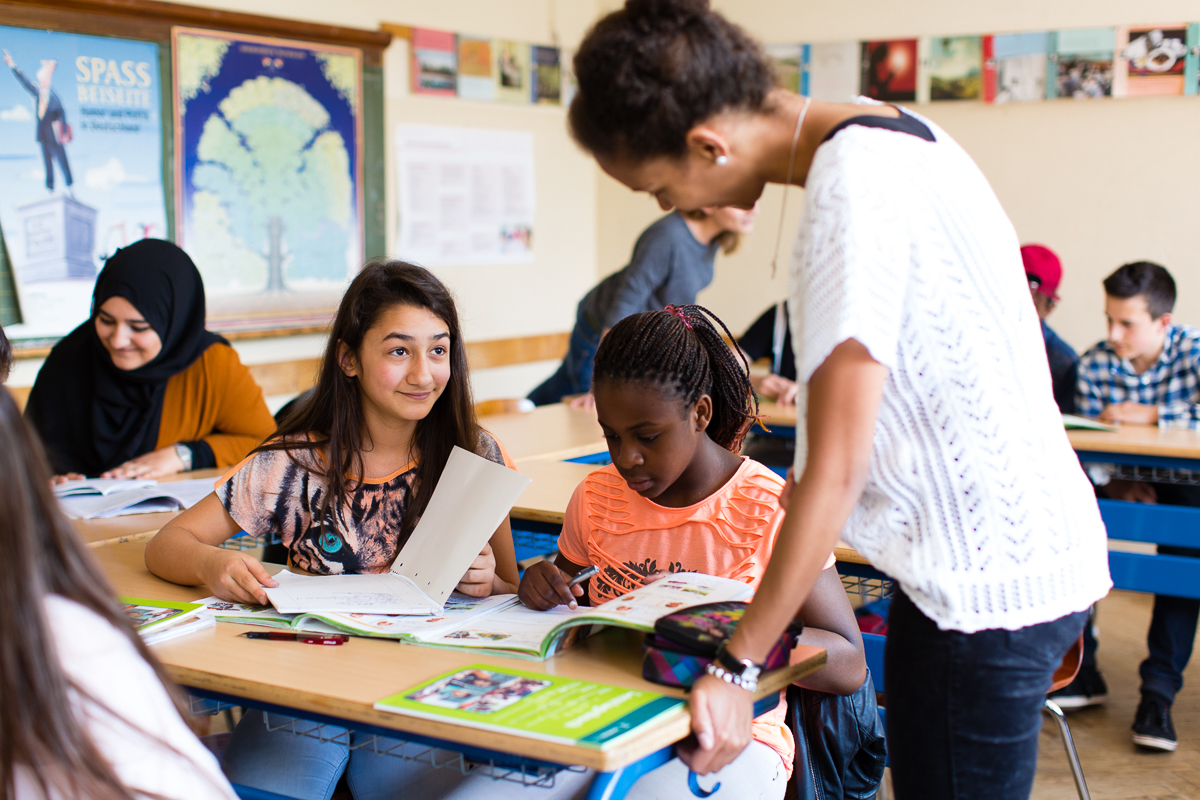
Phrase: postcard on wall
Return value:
(834, 71)
(1150, 60)
(889, 70)
(545, 75)
(466, 195)
(1014, 68)
(955, 70)
(476, 78)
(1081, 63)
(434, 67)
(569, 84)
(268, 174)
(511, 70)
(80, 166)
(790, 62)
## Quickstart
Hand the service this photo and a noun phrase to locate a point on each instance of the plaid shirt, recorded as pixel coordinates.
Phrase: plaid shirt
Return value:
(1172, 384)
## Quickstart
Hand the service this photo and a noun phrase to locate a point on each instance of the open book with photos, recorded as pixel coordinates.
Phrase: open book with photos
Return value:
(501, 624)
(104, 498)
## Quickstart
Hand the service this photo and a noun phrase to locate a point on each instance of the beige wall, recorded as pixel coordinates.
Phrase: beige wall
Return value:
(1101, 182)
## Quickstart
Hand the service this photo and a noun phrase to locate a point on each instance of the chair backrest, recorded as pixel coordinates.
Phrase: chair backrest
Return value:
(1069, 667)
(873, 646)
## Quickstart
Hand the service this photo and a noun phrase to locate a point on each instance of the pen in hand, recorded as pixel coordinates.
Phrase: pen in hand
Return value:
(583, 575)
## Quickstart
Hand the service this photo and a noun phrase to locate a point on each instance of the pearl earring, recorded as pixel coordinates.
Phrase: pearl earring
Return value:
(722, 161)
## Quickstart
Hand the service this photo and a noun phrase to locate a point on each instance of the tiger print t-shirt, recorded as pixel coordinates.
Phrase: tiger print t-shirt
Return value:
(272, 493)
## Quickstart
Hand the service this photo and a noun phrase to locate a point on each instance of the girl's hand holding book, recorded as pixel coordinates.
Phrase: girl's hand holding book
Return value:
(481, 577)
(236, 577)
(545, 586)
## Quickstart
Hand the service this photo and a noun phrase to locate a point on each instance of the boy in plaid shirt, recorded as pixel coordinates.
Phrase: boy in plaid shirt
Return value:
(1148, 373)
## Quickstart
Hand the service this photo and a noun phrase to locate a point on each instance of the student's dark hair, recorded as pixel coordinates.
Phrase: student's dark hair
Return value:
(1146, 278)
(647, 74)
(39, 729)
(333, 416)
(681, 349)
(6, 357)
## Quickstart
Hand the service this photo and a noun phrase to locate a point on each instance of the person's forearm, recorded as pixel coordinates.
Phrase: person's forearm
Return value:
(175, 554)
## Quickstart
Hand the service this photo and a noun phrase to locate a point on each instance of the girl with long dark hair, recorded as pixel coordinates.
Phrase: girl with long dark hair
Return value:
(85, 709)
(343, 483)
(928, 436)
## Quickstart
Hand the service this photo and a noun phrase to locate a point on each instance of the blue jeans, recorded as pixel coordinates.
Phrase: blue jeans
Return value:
(574, 375)
(306, 768)
(964, 710)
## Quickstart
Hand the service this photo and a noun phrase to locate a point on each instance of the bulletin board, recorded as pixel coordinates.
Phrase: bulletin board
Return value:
(154, 22)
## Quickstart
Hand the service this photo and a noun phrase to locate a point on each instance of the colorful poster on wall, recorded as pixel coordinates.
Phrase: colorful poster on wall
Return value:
(476, 79)
(466, 195)
(512, 71)
(268, 174)
(434, 67)
(1081, 63)
(1150, 60)
(834, 71)
(955, 68)
(889, 70)
(545, 75)
(1015, 67)
(80, 166)
(791, 66)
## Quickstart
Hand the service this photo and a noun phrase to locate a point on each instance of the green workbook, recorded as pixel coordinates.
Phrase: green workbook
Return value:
(536, 705)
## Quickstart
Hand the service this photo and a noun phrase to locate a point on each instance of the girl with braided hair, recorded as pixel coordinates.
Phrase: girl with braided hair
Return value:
(675, 402)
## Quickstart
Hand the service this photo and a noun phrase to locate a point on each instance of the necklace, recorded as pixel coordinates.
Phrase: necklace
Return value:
(788, 183)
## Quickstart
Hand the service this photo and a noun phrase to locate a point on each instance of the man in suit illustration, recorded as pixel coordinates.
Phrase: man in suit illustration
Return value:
(52, 129)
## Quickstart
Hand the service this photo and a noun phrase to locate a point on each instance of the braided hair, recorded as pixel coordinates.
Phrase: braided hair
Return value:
(681, 348)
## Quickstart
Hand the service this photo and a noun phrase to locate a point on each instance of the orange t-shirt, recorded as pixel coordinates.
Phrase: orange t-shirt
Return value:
(729, 534)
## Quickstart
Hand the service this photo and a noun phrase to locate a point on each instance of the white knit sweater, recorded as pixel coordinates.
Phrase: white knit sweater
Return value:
(974, 501)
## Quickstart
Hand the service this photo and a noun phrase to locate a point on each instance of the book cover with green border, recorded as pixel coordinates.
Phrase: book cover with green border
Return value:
(150, 615)
(534, 704)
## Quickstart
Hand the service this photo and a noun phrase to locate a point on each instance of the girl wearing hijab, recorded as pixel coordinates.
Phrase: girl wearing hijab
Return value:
(142, 390)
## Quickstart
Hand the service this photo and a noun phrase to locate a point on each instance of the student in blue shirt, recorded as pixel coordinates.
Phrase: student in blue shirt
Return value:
(1148, 373)
(1044, 271)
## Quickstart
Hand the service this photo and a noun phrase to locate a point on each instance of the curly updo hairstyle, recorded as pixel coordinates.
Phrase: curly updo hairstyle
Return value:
(647, 74)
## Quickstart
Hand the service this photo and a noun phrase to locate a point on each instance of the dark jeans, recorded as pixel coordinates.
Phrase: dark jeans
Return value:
(53, 151)
(1173, 623)
(574, 375)
(964, 710)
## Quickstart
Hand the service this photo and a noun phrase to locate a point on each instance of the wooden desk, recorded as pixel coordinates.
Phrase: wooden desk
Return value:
(546, 431)
(296, 677)
(545, 500)
(1139, 444)
(775, 415)
(136, 526)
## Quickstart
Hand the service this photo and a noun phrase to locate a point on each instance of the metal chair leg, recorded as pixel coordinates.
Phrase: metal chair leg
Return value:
(1069, 746)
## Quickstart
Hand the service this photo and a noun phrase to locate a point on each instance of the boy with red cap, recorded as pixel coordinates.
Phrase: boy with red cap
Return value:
(1044, 271)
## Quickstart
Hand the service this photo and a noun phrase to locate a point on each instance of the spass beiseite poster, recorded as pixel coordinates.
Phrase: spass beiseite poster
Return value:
(80, 166)
(268, 174)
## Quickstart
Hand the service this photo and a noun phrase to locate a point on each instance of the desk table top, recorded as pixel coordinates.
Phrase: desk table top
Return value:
(305, 678)
(546, 499)
(546, 431)
(1139, 440)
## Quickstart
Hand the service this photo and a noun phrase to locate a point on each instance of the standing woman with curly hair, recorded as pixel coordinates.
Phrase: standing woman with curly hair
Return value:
(928, 439)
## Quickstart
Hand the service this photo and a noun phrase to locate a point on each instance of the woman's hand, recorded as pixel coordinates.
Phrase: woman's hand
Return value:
(721, 716)
(70, 476)
(157, 464)
(583, 401)
(480, 578)
(544, 586)
(779, 389)
(234, 576)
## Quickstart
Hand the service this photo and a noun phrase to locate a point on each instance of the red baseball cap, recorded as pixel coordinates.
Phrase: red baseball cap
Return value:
(1043, 265)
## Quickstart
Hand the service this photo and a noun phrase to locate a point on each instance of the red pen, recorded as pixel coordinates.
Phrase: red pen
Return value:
(304, 638)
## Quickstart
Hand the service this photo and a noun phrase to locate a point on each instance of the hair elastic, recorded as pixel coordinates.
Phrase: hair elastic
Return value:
(677, 312)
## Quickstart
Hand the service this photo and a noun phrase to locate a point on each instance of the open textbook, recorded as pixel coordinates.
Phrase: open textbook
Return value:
(1073, 422)
(159, 620)
(471, 499)
(501, 624)
(102, 498)
(551, 708)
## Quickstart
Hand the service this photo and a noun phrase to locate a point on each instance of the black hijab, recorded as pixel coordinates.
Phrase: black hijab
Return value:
(94, 416)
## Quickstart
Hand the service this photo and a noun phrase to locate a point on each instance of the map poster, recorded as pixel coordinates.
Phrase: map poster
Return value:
(80, 166)
(268, 175)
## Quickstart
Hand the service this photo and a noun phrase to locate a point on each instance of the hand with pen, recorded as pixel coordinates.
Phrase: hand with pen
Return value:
(546, 586)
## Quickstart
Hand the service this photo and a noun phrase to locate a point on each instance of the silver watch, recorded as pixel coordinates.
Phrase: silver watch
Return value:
(185, 455)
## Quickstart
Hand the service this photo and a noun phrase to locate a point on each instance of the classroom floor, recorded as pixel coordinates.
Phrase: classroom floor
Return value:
(1113, 767)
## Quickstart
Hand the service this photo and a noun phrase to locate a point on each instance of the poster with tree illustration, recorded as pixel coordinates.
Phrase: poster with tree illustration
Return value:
(268, 174)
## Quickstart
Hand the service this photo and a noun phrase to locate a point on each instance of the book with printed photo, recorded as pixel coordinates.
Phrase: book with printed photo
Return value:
(955, 70)
(159, 620)
(1014, 67)
(476, 69)
(434, 63)
(511, 71)
(1150, 60)
(545, 75)
(1081, 63)
(889, 70)
(540, 706)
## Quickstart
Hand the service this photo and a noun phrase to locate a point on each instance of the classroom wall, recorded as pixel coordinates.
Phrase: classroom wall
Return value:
(1101, 182)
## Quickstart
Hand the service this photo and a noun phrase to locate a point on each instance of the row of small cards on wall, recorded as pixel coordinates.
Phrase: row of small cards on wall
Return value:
(1079, 63)
(493, 70)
